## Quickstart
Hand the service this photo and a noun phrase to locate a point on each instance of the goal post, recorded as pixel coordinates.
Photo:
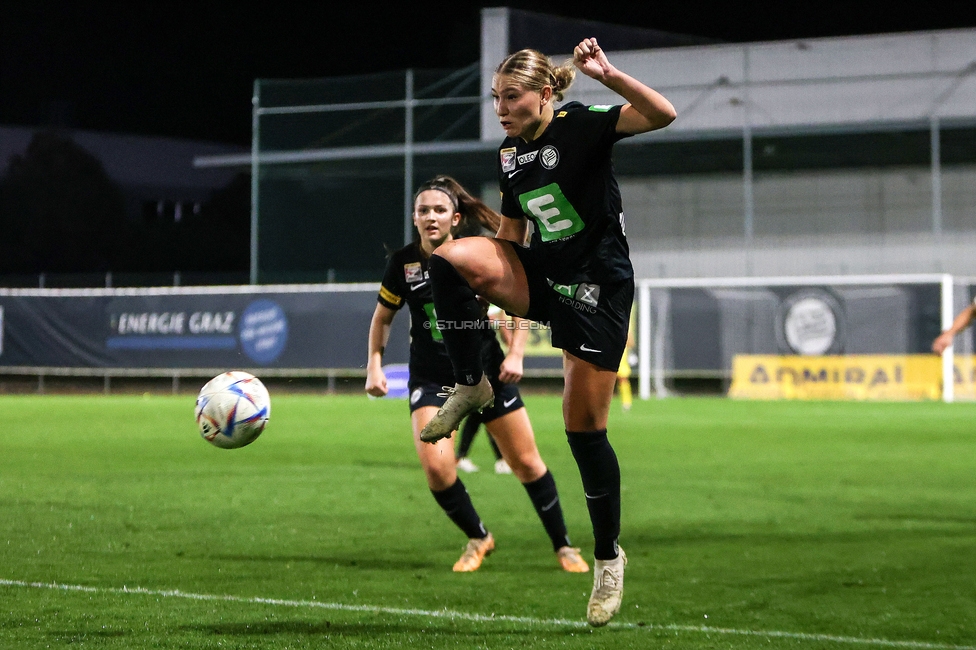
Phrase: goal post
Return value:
(698, 327)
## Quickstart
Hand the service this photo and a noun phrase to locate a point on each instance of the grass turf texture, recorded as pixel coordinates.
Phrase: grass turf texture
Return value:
(747, 525)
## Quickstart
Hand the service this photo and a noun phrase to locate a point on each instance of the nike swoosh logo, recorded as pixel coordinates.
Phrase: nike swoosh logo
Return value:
(414, 287)
(514, 172)
(508, 403)
(583, 348)
(596, 496)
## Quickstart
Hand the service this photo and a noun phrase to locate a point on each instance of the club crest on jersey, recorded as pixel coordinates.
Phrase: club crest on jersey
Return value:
(412, 272)
(508, 159)
(549, 156)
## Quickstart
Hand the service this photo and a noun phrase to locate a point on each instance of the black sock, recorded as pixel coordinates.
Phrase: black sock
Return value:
(458, 309)
(467, 434)
(457, 505)
(545, 498)
(600, 475)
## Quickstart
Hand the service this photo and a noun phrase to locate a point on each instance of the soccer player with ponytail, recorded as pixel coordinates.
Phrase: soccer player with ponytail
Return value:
(555, 171)
(441, 207)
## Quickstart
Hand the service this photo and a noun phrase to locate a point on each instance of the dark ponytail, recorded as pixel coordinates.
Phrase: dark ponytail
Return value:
(472, 209)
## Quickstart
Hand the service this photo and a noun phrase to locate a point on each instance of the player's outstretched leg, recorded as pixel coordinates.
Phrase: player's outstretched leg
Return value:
(461, 400)
(461, 321)
(608, 590)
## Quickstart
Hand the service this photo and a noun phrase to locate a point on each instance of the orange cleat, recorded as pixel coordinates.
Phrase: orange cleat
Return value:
(474, 553)
(571, 560)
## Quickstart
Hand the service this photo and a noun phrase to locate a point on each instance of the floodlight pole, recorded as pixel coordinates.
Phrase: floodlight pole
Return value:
(936, 155)
(935, 144)
(255, 141)
(408, 160)
(748, 201)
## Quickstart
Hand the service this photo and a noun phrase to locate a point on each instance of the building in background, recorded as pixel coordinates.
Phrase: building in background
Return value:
(156, 175)
(821, 156)
(81, 208)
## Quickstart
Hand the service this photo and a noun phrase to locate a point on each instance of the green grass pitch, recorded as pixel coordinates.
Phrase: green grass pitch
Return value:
(747, 525)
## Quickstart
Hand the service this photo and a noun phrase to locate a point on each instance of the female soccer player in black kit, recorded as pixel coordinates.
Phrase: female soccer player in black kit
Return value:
(440, 205)
(555, 170)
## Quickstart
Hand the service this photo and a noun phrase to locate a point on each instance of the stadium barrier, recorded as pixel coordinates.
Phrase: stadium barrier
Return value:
(285, 331)
(687, 328)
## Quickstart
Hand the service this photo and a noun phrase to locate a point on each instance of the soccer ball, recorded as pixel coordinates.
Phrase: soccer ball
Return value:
(232, 409)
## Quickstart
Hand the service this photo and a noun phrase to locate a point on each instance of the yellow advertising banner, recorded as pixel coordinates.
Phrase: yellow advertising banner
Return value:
(964, 371)
(539, 343)
(851, 377)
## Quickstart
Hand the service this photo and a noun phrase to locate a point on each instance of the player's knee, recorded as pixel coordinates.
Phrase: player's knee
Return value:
(527, 466)
(440, 478)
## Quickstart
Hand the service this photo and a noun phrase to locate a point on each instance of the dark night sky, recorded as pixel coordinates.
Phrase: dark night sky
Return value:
(185, 69)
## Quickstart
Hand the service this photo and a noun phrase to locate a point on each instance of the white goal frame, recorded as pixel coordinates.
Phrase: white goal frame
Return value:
(651, 371)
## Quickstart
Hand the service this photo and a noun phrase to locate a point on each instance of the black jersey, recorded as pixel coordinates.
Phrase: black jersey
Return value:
(563, 181)
(406, 281)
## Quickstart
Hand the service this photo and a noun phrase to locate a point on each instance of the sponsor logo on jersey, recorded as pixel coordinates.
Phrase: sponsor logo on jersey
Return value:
(413, 272)
(588, 293)
(526, 158)
(601, 108)
(582, 297)
(508, 159)
(564, 289)
(549, 156)
(562, 114)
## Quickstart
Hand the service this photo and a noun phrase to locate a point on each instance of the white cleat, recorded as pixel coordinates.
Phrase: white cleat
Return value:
(461, 400)
(608, 590)
(465, 465)
(501, 467)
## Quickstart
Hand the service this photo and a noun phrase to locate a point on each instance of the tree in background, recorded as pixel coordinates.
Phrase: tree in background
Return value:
(59, 210)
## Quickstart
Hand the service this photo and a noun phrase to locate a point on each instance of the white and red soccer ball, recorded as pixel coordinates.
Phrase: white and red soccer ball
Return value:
(232, 409)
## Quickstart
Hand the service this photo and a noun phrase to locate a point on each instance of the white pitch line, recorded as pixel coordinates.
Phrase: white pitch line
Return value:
(482, 618)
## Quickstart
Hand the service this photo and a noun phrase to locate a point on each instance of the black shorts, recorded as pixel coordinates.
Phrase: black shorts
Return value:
(588, 320)
(427, 393)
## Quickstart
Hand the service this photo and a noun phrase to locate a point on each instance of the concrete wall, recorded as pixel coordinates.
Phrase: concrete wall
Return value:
(814, 222)
(869, 80)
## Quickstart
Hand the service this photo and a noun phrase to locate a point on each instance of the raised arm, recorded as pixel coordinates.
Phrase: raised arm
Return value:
(379, 334)
(646, 109)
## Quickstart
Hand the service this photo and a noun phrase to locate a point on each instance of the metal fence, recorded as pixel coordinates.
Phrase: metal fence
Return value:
(823, 157)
